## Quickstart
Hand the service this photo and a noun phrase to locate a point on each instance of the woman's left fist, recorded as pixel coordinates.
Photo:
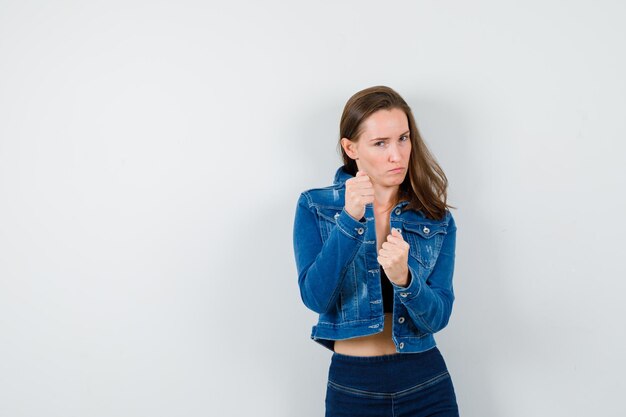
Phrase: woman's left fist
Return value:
(394, 257)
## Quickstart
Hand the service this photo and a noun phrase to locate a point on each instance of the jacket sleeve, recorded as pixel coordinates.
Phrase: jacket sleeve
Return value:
(322, 266)
(429, 299)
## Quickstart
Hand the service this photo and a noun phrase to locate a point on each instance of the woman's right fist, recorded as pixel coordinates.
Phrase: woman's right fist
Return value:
(359, 191)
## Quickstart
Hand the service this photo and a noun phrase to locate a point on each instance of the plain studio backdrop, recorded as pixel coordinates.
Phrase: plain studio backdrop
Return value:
(152, 153)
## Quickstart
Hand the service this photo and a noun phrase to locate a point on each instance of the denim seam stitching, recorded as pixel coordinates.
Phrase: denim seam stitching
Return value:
(425, 324)
(343, 276)
(346, 232)
(425, 384)
(407, 391)
(348, 321)
(356, 291)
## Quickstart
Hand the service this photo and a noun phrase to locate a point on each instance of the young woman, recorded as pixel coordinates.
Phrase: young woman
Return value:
(375, 258)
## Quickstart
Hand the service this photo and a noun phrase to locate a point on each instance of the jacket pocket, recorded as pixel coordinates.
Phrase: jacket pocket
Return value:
(327, 219)
(425, 241)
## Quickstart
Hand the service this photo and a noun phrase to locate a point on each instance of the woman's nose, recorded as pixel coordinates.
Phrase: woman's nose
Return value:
(394, 153)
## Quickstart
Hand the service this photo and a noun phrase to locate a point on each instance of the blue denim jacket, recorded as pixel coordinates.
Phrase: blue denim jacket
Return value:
(339, 274)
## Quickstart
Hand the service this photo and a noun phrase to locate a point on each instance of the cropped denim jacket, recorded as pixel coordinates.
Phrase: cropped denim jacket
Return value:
(339, 274)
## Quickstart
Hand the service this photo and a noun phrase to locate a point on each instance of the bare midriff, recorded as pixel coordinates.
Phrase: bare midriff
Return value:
(371, 345)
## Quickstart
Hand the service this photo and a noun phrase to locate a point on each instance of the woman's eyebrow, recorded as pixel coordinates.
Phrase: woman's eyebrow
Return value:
(401, 134)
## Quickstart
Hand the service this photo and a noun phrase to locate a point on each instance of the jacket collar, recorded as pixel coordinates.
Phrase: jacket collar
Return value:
(341, 175)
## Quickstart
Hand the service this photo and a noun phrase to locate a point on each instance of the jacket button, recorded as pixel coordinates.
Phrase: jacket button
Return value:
(336, 215)
(360, 230)
(401, 345)
(398, 211)
(426, 230)
(402, 294)
(401, 320)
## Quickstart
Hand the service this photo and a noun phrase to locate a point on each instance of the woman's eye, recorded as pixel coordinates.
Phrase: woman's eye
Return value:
(380, 141)
(406, 137)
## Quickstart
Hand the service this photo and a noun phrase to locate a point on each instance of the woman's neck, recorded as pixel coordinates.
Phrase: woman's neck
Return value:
(385, 199)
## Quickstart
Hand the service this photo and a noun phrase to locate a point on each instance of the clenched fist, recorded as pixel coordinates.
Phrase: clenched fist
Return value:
(359, 191)
(394, 258)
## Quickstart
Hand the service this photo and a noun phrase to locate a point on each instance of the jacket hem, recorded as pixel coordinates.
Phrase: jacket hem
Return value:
(404, 344)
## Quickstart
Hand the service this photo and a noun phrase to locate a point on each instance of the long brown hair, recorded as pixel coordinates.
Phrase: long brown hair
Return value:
(425, 185)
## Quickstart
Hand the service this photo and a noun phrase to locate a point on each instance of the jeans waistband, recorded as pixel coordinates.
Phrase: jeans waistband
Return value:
(392, 357)
(386, 373)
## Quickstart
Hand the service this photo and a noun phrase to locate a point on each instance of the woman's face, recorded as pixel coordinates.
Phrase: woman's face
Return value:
(384, 145)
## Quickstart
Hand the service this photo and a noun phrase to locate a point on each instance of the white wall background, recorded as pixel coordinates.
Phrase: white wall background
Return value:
(152, 152)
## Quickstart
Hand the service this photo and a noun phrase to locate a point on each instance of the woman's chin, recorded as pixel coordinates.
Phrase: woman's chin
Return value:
(393, 183)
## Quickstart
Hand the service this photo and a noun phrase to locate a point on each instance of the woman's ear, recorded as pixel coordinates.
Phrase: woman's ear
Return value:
(349, 148)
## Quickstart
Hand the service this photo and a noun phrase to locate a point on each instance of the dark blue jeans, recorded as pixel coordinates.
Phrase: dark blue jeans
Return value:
(396, 385)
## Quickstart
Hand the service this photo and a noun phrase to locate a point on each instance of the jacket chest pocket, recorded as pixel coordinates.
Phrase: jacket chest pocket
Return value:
(425, 241)
(327, 220)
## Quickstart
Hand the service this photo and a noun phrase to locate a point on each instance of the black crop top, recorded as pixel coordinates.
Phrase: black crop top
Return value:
(387, 289)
